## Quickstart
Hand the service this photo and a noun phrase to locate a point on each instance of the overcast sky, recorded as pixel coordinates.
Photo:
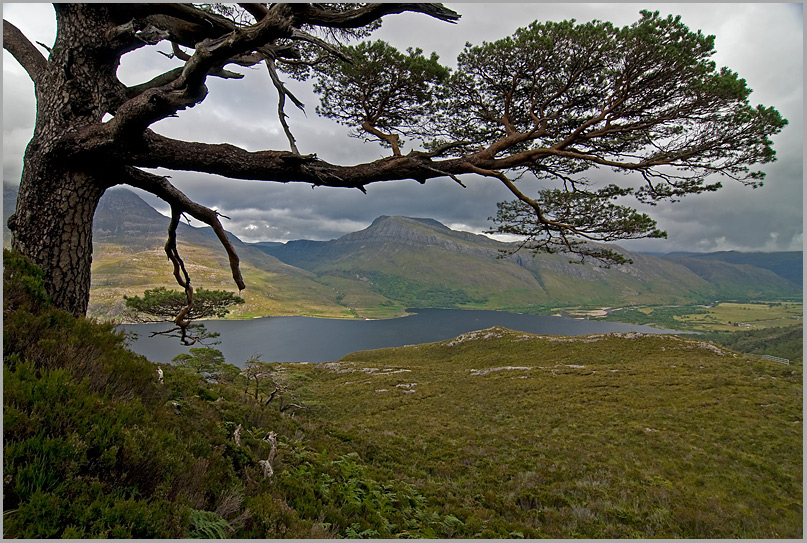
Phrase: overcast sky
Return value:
(762, 42)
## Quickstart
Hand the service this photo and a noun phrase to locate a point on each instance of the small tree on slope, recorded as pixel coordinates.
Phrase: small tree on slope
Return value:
(161, 304)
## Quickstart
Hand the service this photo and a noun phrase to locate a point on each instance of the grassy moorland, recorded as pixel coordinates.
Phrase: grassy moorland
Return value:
(599, 437)
(492, 434)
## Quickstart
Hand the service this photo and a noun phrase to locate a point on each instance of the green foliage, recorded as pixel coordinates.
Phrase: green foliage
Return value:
(163, 304)
(593, 213)
(593, 437)
(557, 99)
(381, 89)
(208, 525)
(23, 283)
(413, 293)
(613, 92)
(93, 446)
(345, 496)
(655, 70)
(493, 435)
(209, 363)
(663, 317)
(777, 341)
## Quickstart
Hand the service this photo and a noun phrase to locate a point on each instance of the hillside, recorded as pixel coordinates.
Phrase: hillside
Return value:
(786, 264)
(414, 261)
(395, 263)
(493, 434)
(619, 435)
(128, 258)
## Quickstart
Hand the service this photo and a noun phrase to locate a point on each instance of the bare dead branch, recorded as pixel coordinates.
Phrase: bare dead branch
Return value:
(282, 92)
(271, 396)
(452, 176)
(179, 53)
(171, 75)
(288, 406)
(160, 186)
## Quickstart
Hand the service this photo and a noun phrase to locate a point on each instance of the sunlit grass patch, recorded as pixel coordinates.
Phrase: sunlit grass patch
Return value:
(736, 316)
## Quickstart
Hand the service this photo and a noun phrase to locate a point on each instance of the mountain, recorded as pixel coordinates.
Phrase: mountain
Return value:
(128, 258)
(395, 263)
(420, 261)
(786, 264)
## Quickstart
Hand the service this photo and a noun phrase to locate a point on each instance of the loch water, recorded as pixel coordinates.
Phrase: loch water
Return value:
(311, 339)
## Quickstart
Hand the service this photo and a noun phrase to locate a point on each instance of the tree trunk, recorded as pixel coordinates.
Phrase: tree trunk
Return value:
(53, 227)
(58, 195)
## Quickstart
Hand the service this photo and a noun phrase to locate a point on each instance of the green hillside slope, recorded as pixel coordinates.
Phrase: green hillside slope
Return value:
(738, 281)
(420, 261)
(494, 434)
(786, 264)
(599, 437)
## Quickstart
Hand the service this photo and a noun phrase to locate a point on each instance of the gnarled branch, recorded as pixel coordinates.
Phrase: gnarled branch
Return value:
(314, 14)
(23, 51)
(161, 187)
(284, 166)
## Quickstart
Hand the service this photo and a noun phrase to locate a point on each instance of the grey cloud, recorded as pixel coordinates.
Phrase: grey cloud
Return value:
(296, 211)
(762, 42)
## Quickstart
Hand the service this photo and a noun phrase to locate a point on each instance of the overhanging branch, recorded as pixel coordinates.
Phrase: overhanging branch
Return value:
(161, 187)
(283, 166)
(23, 51)
(314, 14)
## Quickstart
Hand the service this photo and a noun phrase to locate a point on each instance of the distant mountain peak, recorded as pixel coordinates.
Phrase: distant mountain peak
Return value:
(413, 231)
(401, 219)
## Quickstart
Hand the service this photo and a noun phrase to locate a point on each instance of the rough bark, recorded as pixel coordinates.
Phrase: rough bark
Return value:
(57, 236)
(57, 199)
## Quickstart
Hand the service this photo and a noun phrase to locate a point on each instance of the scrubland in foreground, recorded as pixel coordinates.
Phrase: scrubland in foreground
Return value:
(493, 434)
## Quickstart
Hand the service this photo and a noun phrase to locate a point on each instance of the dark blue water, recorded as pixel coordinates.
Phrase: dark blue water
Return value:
(309, 339)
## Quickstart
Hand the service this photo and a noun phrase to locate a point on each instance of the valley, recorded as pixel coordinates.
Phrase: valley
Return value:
(399, 262)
